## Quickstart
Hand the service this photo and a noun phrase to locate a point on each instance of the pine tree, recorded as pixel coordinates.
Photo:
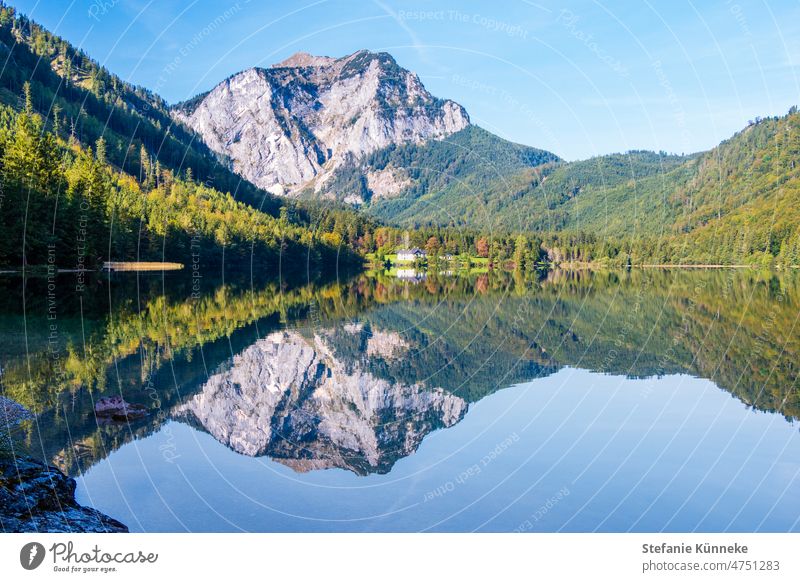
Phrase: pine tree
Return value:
(100, 150)
(26, 89)
(144, 167)
(520, 252)
(56, 119)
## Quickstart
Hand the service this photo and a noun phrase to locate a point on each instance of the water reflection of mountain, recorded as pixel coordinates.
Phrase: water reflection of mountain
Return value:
(289, 397)
(376, 364)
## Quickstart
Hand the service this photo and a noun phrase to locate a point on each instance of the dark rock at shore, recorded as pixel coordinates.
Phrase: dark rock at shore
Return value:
(38, 498)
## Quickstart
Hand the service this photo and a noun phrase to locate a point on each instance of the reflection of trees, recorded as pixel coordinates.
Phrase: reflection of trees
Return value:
(735, 328)
(159, 330)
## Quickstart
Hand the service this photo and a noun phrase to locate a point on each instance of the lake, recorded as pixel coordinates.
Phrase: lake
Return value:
(575, 401)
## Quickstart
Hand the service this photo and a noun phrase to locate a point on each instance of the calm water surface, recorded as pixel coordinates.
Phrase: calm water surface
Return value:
(641, 401)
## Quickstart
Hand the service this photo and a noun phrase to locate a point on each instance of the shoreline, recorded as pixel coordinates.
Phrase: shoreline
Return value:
(38, 271)
(35, 498)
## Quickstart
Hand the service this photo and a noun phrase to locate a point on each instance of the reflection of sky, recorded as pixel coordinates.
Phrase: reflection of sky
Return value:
(576, 451)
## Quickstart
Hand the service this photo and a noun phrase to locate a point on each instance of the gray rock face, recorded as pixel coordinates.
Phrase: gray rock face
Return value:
(288, 126)
(289, 397)
(38, 498)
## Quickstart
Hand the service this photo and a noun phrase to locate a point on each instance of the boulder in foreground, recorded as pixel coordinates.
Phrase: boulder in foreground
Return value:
(38, 498)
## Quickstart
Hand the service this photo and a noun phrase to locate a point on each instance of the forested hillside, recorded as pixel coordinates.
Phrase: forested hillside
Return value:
(445, 181)
(744, 199)
(64, 205)
(94, 169)
(738, 203)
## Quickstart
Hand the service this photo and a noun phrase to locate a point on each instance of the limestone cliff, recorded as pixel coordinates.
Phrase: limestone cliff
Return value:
(290, 126)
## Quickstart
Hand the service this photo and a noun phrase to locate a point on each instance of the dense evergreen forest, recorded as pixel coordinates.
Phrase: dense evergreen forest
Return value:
(91, 102)
(64, 205)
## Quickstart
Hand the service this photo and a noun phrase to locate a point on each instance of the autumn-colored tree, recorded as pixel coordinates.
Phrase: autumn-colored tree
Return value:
(432, 246)
(482, 247)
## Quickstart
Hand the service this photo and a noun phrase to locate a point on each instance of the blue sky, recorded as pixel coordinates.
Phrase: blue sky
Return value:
(577, 78)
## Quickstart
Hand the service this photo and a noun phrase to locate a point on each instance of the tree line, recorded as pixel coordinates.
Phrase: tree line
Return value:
(64, 204)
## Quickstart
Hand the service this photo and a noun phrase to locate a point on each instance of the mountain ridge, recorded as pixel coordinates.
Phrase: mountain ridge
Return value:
(288, 126)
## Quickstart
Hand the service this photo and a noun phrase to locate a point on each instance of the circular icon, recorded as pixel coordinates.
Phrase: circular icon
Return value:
(31, 555)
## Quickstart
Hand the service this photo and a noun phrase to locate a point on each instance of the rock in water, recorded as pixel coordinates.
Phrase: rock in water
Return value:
(117, 409)
(38, 498)
(11, 414)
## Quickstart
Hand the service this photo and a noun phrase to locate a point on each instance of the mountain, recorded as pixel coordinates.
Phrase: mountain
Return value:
(290, 125)
(364, 131)
(359, 129)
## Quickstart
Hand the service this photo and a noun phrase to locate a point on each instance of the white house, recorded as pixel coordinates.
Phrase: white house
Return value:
(409, 255)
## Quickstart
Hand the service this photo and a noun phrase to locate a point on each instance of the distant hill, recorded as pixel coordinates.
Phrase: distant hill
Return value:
(534, 192)
(737, 203)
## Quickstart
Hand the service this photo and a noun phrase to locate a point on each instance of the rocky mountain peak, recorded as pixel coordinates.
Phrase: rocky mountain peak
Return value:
(290, 126)
(303, 59)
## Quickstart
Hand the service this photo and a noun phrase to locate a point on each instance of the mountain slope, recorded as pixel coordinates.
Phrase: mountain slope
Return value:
(750, 179)
(737, 203)
(64, 206)
(288, 125)
(619, 194)
(87, 101)
(744, 200)
(437, 182)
